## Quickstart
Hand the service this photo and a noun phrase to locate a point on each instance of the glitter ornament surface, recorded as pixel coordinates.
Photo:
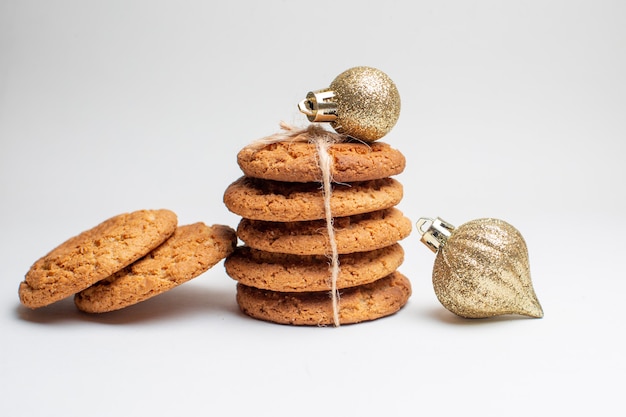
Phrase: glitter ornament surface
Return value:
(361, 102)
(482, 270)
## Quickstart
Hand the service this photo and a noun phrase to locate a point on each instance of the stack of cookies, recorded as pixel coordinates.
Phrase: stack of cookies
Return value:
(282, 268)
(124, 260)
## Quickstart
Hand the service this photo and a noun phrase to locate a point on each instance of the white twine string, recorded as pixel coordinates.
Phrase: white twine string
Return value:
(322, 140)
(289, 133)
(325, 164)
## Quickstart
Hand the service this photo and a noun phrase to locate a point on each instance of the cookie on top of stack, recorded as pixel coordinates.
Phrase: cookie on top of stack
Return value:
(282, 268)
(124, 260)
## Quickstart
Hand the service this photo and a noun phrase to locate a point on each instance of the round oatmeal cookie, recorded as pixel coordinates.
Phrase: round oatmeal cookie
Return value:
(94, 255)
(372, 301)
(189, 252)
(297, 161)
(359, 233)
(268, 200)
(298, 273)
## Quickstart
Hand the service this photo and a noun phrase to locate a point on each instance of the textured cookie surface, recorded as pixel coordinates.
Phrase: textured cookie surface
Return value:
(297, 273)
(362, 303)
(297, 162)
(189, 252)
(268, 200)
(94, 255)
(360, 233)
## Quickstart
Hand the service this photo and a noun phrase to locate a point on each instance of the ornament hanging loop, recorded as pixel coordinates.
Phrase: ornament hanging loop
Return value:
(435, 232)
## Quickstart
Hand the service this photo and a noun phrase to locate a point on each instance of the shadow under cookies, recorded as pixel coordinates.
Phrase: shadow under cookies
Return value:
(179, 302)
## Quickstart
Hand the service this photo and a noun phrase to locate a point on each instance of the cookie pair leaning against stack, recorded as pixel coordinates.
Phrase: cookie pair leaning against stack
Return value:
(124, 260)
(282, 268)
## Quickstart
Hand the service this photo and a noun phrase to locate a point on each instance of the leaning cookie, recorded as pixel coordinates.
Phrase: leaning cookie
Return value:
(378, 299)
(268, 200)
(298, 161)
(301, 273)
(94, 255)
(191, 250)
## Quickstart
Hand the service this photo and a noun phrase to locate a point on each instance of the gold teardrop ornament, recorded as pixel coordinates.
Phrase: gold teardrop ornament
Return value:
(481, 268)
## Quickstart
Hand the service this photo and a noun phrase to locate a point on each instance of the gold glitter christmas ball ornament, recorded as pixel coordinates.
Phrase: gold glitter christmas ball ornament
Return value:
(361, 102)
(481, 268)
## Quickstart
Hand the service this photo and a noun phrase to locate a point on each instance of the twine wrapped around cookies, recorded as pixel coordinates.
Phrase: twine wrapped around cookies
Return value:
(288, 133)
(322, 139)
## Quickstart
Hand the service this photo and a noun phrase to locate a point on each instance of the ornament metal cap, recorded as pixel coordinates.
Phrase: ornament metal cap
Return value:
(361, 102)
(319, 106)
(435, 232)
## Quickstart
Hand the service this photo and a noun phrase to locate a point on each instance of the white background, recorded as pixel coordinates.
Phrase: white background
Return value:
(513, 110)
